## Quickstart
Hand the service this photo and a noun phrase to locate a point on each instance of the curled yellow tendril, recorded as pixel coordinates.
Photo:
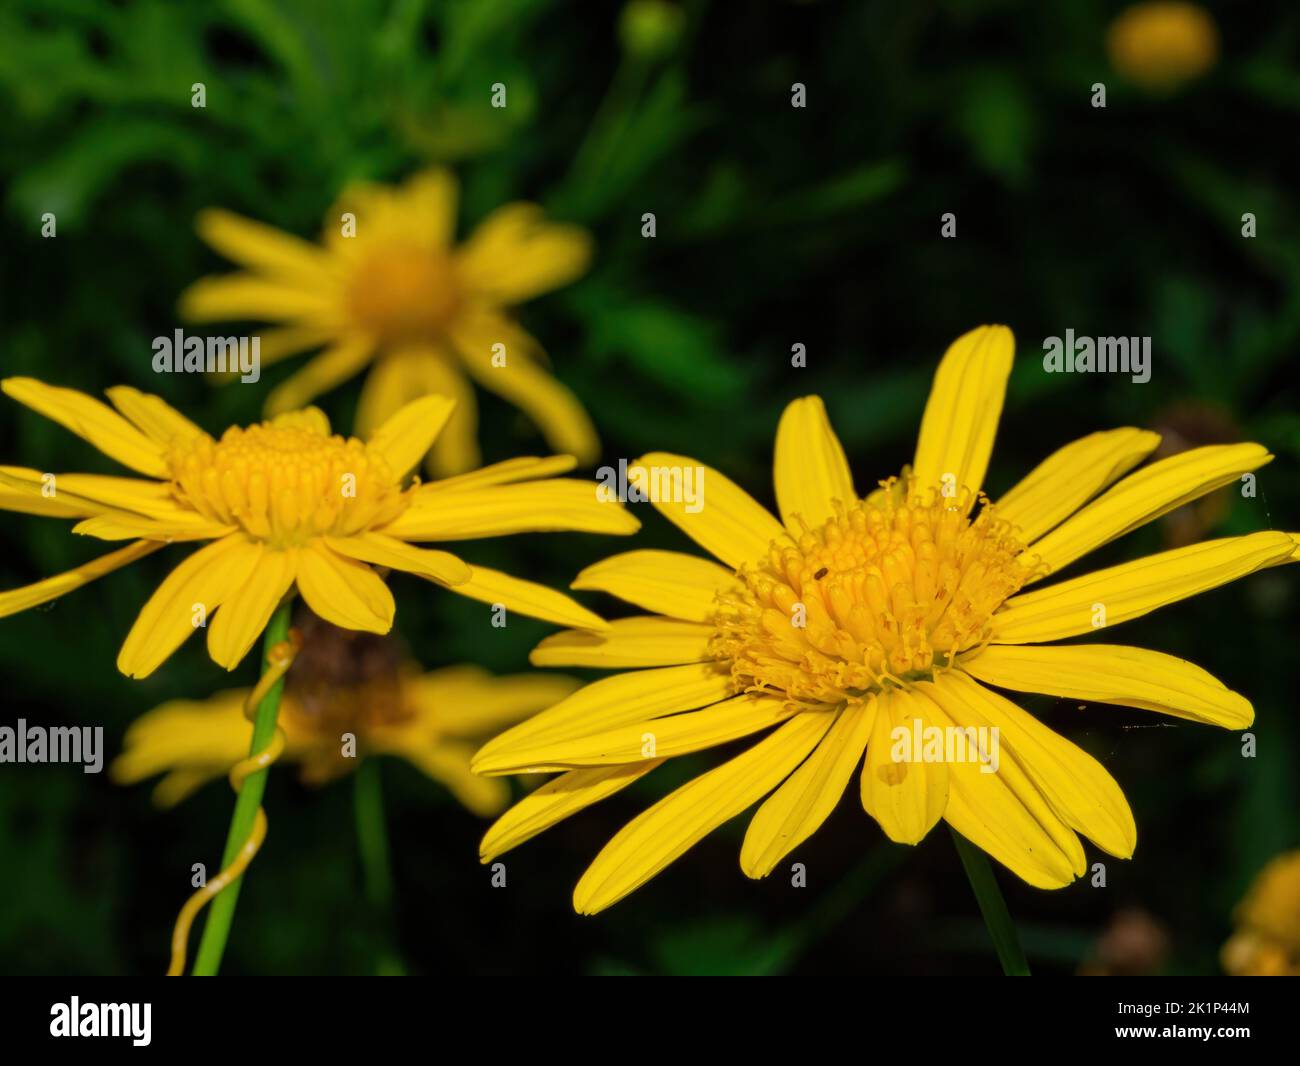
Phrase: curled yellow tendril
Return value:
(280, 658)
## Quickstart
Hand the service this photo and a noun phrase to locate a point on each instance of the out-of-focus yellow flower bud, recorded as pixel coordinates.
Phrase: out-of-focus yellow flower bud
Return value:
(1161, 45)
(650, 29)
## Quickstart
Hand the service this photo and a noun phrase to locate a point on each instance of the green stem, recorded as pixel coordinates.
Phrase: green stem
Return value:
(372, 834)
(222, 911)
(376, 866)
(993, 907)
(608, 126)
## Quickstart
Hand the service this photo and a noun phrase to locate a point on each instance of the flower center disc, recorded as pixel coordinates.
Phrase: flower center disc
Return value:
(286, 481)
(405, 294)
(344, 682)
(883, 594)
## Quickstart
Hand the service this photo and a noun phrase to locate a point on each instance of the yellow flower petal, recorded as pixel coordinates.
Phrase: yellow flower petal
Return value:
(409, 433)
(347, 593)
(662, 582)
(262, 247)
(906, 796)
(1006, 815)
(309, 419)
(615, 701)
(380, 210)
(243, 616)
(206, 579)
(207, 736)
(1071, 476)
(405, 374)
(1113, 673)
(1130, 590)
(331, 368)
(961, 415)
(676, 734)
(250, 296)
(51, 588)
(376, 548)
(556, 800)
(550, 405)
(430, 197)
(20, 490)
(809, 468)
(456, 448)
(152, 415)
(396, 377)
(515, 255)
(643, 640)
(797, 809)
(555, 505)
(92, 421)
(282, 342)
(1151, 492)
(211, 733)
(469, 702)
(182, 526)
(724, 520)
(526, 597)
(447, 762)
(1076, 785)
(91, 494)
(525, 468)
(180, 785)
(660, 835)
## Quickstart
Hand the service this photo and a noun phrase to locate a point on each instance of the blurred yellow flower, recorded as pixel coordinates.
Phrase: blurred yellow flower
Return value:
(650, 28)
(1161, 45)
(1267, 940)
(386, 289)
(285, 504)
(851, 620)
(347, 697)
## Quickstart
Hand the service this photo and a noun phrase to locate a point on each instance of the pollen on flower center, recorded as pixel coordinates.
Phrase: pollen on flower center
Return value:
(405, 293)
(286, 481)
(885, 593)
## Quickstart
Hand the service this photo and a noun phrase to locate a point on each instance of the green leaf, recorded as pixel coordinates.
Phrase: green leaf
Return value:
(677, 349)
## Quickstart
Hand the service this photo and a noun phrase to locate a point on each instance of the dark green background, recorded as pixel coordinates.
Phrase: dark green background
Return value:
(775, 226)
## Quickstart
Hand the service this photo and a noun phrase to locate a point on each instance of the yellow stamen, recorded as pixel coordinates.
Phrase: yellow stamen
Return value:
(885, 593)
(286, 481)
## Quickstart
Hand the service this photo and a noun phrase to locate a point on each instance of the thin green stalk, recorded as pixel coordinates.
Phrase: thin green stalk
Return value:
(993, 907)
(837, 903)
(222, 910)
(376, 866)
(372, 834)
(609, 124)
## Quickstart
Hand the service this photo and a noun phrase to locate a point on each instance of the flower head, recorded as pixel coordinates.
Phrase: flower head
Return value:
(284, 505)
(1163, 43)
(855, 624)
(1267, 940)
(348, 696)
(386, 289)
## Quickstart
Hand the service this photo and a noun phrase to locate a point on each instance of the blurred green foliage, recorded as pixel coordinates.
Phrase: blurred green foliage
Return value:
(775, 226)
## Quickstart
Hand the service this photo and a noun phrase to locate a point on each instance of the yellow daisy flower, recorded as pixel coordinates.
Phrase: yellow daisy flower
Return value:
(1162, 44)
(348, 696)
(852, 623)
(1267, 940)
(284, 504)
(385, 288)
